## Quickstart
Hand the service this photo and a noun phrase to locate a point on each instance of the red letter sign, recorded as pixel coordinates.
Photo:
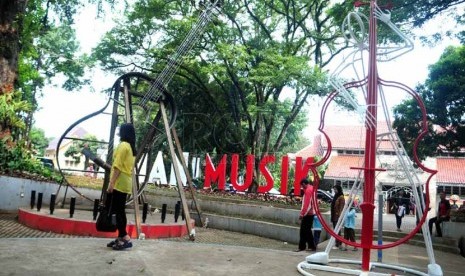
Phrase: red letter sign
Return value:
(248, 174)
(266, 173)
(301, 172)
(284, 174)
(215, 175)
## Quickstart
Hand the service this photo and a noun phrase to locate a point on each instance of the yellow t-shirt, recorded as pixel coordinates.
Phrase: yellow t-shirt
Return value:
(123, 160)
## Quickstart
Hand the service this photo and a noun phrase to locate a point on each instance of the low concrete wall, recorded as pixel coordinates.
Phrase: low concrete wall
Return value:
(275, 231)
(16, 192)
(281, 232)
(454, 230)
(285, 216)
(246, 218)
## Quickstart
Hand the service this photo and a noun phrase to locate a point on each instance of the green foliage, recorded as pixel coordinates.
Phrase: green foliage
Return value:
(231, 88)
(39, 141)
(414, 14)
(91, 142)
(46, 47)
(444, 97)
(16, 160)
(10, 108)
(407, 123)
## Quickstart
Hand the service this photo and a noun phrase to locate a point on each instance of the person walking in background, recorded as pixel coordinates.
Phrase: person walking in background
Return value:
(337, 205)
(316, 230)
(443, 214)
(398, 208)
(349, 228)
(400, 215)
(306, 217)
(120, 185)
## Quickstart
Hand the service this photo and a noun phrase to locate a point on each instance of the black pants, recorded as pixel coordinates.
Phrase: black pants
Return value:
(438, 222)
(119, 209)
(306, 235)
(398, 221)
(349, 234)
(316, 237)
(338, 243)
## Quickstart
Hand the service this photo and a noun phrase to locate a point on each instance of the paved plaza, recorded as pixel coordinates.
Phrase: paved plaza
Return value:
(25, 251)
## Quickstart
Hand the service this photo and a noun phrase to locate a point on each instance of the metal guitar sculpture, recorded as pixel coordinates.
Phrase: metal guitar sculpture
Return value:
(141, 100)
(371, 85)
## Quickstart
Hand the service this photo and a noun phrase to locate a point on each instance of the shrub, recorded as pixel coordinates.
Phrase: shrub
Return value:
(15, 160)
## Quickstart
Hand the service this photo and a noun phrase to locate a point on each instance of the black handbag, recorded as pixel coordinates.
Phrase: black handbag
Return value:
(106, 221)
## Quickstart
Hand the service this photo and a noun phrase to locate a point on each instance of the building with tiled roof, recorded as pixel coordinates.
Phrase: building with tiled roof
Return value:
(66, 162)
(340, 167)
(451, 175)
(348, 148)
(314, 149)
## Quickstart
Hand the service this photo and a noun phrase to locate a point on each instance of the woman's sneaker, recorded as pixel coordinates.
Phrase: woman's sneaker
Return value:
(121, 245)
(112, 243)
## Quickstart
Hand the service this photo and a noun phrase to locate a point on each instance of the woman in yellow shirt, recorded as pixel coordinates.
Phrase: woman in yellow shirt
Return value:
(121, 183)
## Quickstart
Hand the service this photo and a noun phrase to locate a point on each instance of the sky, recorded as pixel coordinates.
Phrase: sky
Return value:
(59, 109)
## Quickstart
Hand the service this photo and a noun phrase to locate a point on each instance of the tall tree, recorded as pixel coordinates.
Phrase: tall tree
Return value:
(39, 141)
(415, 14)
(240, 69)
(11, 13)
(444, 96)
(37, 43)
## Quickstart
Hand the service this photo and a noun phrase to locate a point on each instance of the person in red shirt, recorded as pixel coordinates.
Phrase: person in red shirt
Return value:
(306, 218)
(442, 215)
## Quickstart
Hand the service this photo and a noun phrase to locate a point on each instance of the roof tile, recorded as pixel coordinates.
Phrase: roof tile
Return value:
(450, 170)
(353, 137)
(340, 166)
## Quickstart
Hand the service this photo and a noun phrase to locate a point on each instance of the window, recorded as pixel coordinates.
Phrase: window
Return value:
(448, 190)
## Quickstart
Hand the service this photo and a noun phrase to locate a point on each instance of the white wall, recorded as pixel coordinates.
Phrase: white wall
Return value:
(16, 192)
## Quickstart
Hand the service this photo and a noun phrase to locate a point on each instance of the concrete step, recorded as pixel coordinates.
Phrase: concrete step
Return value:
(290, 234)
(418, 237)
(440, 244)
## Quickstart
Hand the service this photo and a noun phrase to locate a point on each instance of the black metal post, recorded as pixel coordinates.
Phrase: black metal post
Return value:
(95, 211)
(33, 199)
(39, 201)
(72, 204)
(183, 216)
(144, 211)
(163, 213)
(177, 209)
(52, 203)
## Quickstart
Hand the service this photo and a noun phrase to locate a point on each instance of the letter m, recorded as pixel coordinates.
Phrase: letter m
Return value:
(215, 175)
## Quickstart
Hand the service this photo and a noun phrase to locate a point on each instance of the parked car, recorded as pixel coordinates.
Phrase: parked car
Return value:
(47, 162)
(324, 196)
(229, 188)
(321, 195)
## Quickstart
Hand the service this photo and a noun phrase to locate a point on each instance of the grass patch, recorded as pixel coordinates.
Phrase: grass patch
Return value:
(81, 181)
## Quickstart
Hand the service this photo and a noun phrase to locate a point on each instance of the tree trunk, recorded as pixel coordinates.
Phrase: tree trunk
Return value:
(11, 12)
(10, 27)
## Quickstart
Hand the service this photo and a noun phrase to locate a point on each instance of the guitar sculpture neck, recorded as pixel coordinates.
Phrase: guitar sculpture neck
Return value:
(163, 79)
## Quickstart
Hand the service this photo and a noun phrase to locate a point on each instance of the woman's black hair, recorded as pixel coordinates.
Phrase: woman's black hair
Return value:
(338, 191)
(127, 133)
